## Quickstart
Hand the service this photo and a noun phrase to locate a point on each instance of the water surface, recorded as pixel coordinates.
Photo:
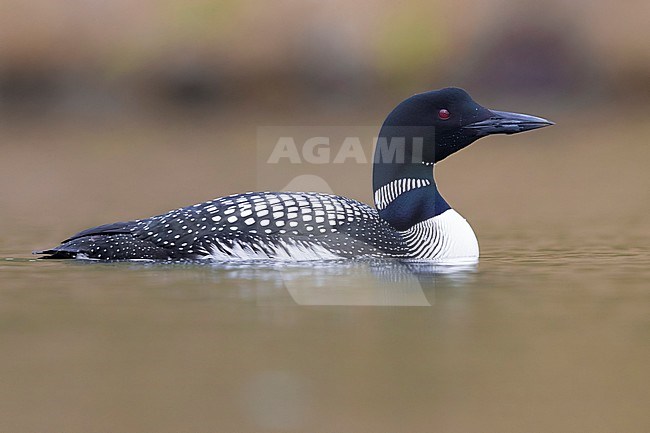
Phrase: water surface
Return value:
(549, 333)
(535, 338)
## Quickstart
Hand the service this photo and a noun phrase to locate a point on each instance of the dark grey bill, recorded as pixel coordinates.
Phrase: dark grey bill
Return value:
(503, 122)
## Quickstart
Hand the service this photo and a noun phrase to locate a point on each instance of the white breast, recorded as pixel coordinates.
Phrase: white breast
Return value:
(445, 237)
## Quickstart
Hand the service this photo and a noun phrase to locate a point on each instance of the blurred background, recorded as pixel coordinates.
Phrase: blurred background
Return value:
(120, 109)
(115, 110)
(99, 57)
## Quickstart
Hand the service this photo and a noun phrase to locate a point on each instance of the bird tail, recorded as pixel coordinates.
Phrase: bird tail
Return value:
(120, 246)
(108, 242)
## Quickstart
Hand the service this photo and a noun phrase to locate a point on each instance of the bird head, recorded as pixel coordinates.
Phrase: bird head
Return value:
(436, 124)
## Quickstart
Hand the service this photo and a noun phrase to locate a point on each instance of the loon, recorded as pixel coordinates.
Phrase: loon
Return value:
(410, 221)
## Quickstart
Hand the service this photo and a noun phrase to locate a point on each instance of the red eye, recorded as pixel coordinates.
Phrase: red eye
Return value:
(444, 114)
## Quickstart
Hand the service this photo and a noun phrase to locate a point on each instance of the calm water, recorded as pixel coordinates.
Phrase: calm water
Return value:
(549, 333)
(536, 338)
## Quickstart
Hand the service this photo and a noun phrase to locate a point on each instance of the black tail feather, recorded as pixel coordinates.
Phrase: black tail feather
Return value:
(114, 246)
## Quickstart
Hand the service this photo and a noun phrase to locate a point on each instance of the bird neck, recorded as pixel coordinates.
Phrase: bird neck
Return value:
(405, 193)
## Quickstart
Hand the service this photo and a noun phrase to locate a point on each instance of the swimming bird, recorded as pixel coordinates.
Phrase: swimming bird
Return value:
(411, 220)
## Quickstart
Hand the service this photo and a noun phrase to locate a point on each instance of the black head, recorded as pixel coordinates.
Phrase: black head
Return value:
(447, 120)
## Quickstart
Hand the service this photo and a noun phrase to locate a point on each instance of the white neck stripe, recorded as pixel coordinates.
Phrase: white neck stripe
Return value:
(389, 192)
